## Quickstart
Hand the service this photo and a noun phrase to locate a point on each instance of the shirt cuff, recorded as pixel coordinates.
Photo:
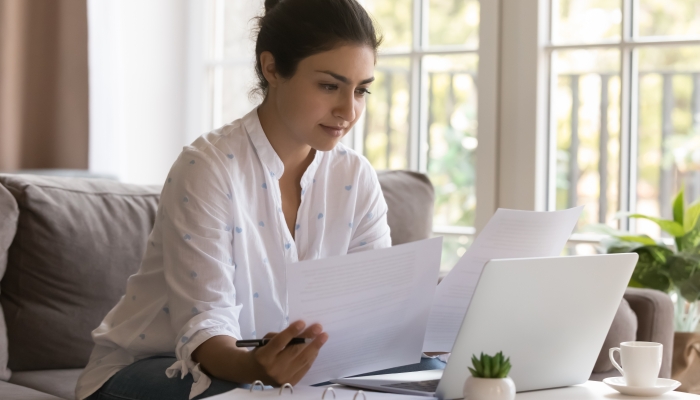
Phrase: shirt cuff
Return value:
(185, 365)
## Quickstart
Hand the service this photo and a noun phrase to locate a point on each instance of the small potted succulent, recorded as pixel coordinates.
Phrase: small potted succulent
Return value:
(489, 379)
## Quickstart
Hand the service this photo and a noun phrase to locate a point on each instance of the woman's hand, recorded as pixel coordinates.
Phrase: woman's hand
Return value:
(288, 364)
(274, 364)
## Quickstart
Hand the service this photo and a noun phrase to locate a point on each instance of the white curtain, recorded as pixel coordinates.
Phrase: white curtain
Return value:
(144, 80)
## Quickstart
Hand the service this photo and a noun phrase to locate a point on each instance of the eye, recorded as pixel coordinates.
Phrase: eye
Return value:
(329, 87)
(363, 91)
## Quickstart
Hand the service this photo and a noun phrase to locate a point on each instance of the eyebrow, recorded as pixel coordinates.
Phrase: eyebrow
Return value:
(344, 79)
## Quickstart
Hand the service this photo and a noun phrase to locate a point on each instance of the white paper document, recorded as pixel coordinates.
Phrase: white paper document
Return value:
(374, 306)
(508, 234)
(312, 393)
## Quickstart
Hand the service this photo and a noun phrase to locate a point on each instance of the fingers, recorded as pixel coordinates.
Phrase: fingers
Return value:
(307, 356)
(279, 341)
(311, 333)
(283, 363)
(296, 378)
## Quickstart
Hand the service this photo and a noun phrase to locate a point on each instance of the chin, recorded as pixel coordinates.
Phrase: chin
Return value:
(325, 146)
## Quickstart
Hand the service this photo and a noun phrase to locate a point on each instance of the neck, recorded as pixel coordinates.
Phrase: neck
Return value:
(295, 155)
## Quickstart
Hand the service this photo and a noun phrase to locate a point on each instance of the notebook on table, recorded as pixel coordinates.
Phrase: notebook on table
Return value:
(333, 392)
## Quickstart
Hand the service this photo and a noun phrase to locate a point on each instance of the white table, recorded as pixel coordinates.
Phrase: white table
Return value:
(592, 390)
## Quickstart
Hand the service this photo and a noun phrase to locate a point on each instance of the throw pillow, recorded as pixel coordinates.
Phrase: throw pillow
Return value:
(77, 242)
(410, 198)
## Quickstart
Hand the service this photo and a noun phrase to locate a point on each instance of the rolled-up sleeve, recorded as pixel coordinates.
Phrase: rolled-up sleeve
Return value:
(198, 257)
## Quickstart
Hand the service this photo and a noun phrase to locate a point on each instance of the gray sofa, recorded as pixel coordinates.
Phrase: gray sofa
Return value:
(67, 246)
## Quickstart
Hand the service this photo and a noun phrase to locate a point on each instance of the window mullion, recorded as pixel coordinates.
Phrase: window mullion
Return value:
(415, 151)
(551, 201)
(218, 81)
(628, 115)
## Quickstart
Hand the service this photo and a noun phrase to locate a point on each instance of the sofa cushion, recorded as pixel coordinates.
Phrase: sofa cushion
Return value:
(79, 239)
(16, 392)
(57, 382)
(8, 226)
(410, 199)
(77, 242)
(623, 329)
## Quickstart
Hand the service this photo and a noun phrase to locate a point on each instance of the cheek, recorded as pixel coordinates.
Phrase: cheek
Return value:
(302, 106)
(308, 101)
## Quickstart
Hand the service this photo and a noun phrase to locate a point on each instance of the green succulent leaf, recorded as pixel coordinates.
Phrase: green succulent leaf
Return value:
(487, 366)
(486, 362)
(505, 367)
(496, 366)
(477, 366)
(506, 371)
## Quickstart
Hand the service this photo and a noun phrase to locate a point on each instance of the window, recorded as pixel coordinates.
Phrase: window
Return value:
(624, 109)
(422, 113)
(230, 59)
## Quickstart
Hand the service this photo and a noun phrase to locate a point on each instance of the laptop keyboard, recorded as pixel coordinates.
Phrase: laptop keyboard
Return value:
(421, 386)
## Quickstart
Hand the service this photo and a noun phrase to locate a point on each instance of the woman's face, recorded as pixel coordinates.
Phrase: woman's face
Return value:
(324, 98)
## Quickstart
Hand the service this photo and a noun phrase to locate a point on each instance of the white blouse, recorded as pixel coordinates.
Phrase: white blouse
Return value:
(216, 258)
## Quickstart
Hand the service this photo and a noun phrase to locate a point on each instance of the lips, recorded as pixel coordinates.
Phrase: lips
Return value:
(335, 131)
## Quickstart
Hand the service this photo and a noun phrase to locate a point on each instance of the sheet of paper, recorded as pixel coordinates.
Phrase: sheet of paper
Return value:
(508, 234)
(374, 306)
(313, 393)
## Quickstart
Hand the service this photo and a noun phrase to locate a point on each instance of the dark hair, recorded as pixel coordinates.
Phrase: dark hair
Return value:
(295, 29)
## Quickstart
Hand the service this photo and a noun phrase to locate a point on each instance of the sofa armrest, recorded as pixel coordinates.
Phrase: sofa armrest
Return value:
(654, 311)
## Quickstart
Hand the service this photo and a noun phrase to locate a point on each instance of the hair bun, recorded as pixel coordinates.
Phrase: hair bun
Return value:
(270, 4)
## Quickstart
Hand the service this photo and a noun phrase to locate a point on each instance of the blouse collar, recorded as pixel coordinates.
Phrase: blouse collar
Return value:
(267, 153)
(262, 145)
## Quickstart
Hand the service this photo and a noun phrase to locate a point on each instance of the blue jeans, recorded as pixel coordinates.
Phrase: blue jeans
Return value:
(145, 380)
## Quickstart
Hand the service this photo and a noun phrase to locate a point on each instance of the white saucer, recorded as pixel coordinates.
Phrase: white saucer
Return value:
(662, 386)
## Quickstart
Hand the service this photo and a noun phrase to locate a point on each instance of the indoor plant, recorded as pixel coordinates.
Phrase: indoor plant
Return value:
(673, 269)
(489, 379)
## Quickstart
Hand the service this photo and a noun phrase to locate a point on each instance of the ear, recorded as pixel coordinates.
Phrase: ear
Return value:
(269, 70)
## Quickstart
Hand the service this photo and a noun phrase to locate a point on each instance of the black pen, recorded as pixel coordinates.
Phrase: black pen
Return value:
(263, 342)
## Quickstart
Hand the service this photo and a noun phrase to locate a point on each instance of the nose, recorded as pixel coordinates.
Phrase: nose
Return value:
(345, 108)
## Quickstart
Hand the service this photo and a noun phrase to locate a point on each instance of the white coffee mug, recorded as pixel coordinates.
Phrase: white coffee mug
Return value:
(641, 362)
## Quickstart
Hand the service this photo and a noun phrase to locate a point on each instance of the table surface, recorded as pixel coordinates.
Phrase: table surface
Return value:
(595, 390)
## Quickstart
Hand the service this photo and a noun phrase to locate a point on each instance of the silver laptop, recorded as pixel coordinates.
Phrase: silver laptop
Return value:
(549, 315)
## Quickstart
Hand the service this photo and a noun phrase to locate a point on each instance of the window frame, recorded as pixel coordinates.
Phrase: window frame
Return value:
(487, 92)
(525, 136)
(628, 45)
(514, 156)
(487, 105)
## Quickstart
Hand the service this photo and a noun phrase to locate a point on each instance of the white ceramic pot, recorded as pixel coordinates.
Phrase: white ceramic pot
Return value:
(489, 388)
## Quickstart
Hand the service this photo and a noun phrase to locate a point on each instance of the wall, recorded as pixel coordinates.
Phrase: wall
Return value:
(138, 87)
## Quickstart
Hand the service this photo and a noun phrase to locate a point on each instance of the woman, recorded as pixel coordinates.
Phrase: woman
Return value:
(239, 204)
